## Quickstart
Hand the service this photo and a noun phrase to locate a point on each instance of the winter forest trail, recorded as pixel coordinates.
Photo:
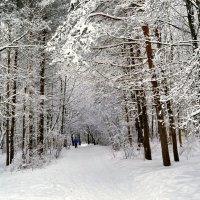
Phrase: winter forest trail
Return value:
(91, 173)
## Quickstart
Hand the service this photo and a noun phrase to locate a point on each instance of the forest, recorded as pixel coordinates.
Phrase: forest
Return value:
(119, 73)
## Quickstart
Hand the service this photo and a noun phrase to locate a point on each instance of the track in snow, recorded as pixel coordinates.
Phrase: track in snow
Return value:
(90, 173)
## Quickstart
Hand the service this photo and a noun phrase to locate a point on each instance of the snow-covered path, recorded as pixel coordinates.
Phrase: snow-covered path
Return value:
(90, 173)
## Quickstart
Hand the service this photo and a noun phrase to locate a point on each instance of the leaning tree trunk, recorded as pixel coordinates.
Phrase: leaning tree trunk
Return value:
(159, 112)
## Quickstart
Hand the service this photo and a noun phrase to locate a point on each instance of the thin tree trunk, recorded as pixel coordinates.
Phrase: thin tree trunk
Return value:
(8, 115)
(24, 128)
(172, 131)
(30, 128)
(42, 88)
(79, 138)
(179, 131)
(147, 149)
(128, 121)
(7, 104)
(12, 130)
(141, 124)
(191, 22)
(30, 117)
(63, 107)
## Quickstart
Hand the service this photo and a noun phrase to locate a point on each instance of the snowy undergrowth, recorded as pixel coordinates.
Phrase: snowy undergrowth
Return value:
(189, 149)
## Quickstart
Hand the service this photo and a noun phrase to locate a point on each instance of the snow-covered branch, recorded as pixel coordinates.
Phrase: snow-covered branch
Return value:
(106, 16)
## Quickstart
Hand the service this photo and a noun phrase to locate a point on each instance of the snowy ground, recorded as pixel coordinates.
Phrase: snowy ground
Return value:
(91, 173)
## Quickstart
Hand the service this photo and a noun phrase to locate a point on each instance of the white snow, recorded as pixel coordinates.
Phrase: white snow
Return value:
(91, 173)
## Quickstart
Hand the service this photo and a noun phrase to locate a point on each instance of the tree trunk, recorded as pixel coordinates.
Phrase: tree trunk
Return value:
(159, 113)
(42, 88)
(127, 121)
(180, 137)
(88, 138)
(191, 22)
(12, 130)
(30, 105)
(24, 128)
(8, 113)
(172, 131)
(141, 124)
(79, 138)
(7, 104)
(72, 139)
(147, 149)
(63, 107)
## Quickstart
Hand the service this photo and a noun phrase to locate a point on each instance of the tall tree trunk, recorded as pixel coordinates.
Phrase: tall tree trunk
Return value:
(12, 130)
(30, 104)
(159, 112)
(63, 107)
(42, 88)
(7, 104)
(8, 114)
(24, 128)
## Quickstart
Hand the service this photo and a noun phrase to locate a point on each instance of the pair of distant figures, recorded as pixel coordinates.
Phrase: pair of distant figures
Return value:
(75, 142)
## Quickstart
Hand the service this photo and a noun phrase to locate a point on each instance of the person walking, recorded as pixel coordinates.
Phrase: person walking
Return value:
(75, 141)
